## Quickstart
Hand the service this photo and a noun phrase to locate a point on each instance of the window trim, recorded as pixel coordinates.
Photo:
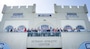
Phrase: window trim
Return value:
(71, 15)
(44, 15)
(17, 15)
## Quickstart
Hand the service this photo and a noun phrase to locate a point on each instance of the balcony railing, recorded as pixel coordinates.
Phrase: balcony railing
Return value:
(44, 34)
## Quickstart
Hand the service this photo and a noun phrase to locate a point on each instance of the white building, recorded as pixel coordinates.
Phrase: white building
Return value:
(67, 28)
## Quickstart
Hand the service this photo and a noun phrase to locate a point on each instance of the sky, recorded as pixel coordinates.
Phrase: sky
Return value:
(44, 6)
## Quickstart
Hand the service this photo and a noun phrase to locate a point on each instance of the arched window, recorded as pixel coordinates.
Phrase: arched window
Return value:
(67, 28)
(9, 28)
(80, 28)
(21, 28)
(44, 27)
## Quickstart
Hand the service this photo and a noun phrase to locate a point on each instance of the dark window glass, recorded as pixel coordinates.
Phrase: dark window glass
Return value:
(21, 28)
(72, 14)
(17, 15)
(67, 28)
(80, 27)
(44, 27)
(44, 15)
(9, 28)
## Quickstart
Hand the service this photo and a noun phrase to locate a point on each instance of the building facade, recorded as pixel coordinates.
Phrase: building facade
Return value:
(67, 28)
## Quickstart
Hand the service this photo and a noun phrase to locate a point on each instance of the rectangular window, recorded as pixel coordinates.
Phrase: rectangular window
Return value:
(17, 15)
(44, 15)
(72, 14)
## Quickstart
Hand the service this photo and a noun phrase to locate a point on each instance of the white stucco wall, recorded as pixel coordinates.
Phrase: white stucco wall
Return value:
(44, 42)
(73, 23)
(72, 40)
(14, 40)
(16, 23)
(58, 19)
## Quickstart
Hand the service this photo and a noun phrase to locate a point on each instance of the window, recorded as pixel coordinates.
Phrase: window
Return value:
(80, 28)
(21, 28)
(72, 14)
(44, 15)
(44, 27)
(17, 15)
(9, 28)
(67, 28)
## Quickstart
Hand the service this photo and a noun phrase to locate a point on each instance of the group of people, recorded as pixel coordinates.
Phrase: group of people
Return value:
(16, 30)
(42, 30)
(56, 30)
